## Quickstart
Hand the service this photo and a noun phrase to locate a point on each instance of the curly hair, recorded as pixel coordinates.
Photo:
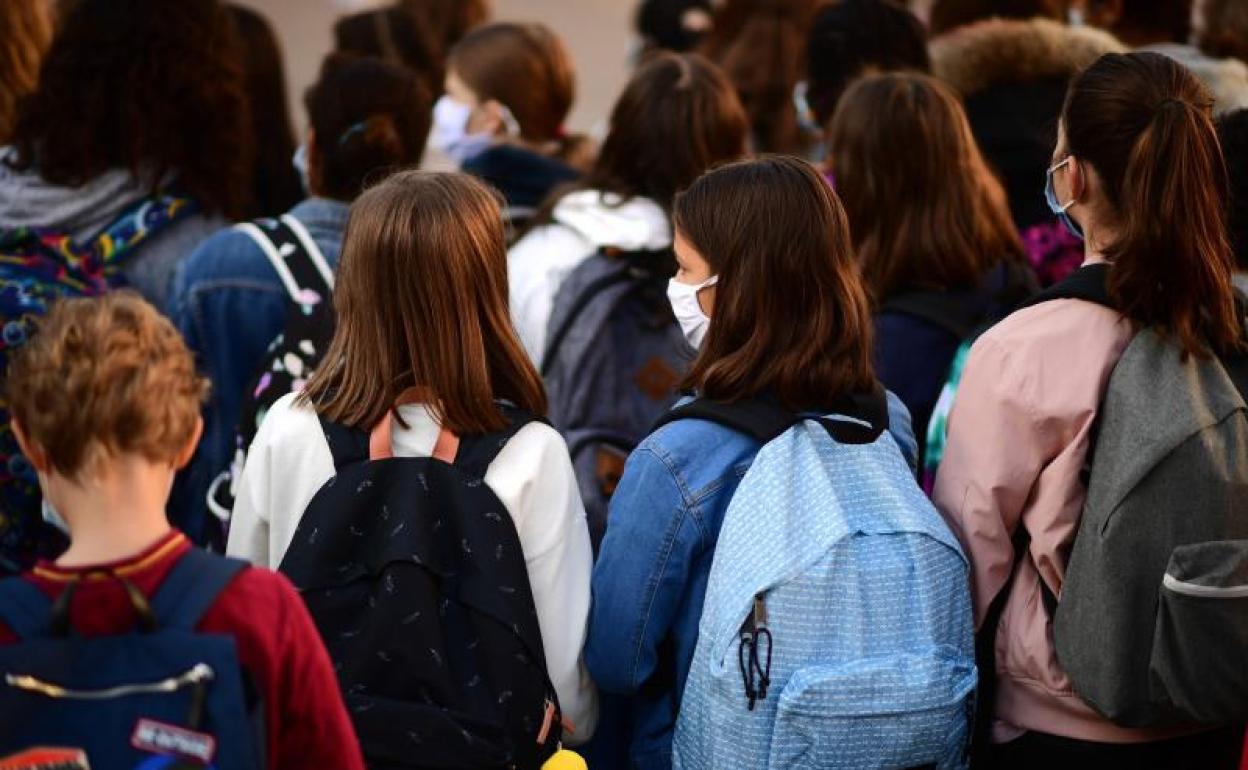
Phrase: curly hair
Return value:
(153, 87)
(104, 377)
(25, 31)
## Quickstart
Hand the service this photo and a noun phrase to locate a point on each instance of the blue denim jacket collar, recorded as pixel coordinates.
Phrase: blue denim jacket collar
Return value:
(322, 214)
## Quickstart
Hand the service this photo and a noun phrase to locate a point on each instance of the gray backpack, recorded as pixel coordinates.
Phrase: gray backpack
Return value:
(614, 357)
(1152, 622)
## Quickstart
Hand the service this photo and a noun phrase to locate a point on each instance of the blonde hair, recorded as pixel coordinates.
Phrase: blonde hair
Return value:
(25, 32)
(106, 375)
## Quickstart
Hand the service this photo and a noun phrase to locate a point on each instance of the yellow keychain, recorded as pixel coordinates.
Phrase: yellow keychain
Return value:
(565, 760)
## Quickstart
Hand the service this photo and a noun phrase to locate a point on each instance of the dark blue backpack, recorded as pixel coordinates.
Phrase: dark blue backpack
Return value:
(160, 696)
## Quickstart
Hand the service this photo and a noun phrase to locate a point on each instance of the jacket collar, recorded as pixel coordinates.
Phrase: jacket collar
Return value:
(322, 214)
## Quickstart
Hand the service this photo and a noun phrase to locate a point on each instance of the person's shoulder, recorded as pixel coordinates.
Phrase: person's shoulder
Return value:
(253, 609)
(1056, 324)
(537, 446)
(695, 443)
(290, 425)
(229, 253)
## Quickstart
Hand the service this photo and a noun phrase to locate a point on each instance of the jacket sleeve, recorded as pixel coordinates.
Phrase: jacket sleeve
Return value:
(249, 521)
(995, 452)
(553, 531)
(643, 572)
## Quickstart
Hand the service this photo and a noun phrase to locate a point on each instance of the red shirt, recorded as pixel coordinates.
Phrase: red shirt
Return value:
(277, 644)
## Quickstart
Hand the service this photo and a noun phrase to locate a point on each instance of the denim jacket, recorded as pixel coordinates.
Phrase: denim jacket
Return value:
(650, 579)
(229, 304)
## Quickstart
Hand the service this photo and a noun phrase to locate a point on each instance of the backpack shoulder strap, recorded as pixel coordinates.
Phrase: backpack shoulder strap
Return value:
(764, 420)
(477, 452)
(192, 587)
(292, 253)
(307, 263)
(24, 608)
(347, 445)
(937, 309)
(1089, 284)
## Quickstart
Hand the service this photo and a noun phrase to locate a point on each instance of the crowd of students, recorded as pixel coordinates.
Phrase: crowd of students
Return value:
(870, 392)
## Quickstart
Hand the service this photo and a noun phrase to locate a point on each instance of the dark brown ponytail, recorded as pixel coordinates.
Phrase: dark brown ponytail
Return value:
(1144, 123)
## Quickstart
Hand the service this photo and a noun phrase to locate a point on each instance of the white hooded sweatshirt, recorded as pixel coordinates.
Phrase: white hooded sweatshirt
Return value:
(583, 223)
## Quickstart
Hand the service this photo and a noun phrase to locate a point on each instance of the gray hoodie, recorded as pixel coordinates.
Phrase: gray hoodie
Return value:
(27, 200)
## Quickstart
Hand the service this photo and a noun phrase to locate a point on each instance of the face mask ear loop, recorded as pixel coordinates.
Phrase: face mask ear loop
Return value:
(1053, 170)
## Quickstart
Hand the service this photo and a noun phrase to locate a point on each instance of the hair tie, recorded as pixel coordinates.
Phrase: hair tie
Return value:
(352, 130)
(1171, 102)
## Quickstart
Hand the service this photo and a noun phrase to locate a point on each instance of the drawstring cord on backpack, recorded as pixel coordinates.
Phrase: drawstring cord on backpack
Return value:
(755, 664)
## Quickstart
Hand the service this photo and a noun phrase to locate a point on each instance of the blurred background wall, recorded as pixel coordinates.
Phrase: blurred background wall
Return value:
(598, 33)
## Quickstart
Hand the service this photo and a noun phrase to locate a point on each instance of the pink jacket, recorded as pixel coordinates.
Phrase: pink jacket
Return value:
(1018, 439)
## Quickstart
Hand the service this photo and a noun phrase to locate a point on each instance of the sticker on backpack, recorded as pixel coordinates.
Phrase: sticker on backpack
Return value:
(172, 743)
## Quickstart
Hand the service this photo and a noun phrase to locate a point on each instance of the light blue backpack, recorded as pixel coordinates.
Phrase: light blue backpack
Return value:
(837, 628)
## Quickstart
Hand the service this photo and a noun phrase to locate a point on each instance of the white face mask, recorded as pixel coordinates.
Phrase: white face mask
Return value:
(684, 298)
(450, 131)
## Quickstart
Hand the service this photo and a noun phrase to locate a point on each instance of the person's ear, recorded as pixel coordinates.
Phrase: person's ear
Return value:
(32, 451)
(183, 458)
(1078, 179)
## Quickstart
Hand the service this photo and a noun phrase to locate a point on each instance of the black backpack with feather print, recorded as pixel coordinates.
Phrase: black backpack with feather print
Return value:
(414, 574)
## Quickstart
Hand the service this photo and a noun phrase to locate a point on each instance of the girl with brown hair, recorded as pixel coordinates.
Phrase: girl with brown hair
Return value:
(1137, 173)
(423, 338)
(769, 292)
(509, 88)
(931, 227)
(677, 118)
(760, 45)
(26, 31)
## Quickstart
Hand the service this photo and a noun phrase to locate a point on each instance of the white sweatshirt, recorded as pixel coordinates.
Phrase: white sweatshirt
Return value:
(584, 222)
(290, 461)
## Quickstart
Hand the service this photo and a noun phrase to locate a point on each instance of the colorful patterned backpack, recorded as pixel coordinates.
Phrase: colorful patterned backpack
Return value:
(293, 355)
(38, 267)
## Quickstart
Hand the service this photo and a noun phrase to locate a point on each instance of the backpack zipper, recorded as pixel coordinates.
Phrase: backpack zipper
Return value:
(199, 674)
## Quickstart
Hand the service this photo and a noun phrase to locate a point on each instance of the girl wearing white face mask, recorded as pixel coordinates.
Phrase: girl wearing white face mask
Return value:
(692, 292)
(768, 290)
(509, 88)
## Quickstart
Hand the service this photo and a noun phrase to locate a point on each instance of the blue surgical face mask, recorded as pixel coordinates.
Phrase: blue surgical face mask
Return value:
(1060, 210)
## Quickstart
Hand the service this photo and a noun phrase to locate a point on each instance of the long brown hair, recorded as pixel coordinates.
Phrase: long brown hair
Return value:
(274, 182)
(791, 317)
(1144, 123)
(526, 68)
(421, 300)
(25, 31)
(153, 87)
(760, 45)
(925, 211)
(678, 117)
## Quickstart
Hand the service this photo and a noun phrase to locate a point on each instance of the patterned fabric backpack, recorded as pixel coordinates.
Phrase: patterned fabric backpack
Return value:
(614, 358)
(837, 627)
(294, 354)
(38, 267)
(414, 574)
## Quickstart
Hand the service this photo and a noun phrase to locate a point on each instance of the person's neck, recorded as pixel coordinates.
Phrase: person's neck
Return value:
(114, 514)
